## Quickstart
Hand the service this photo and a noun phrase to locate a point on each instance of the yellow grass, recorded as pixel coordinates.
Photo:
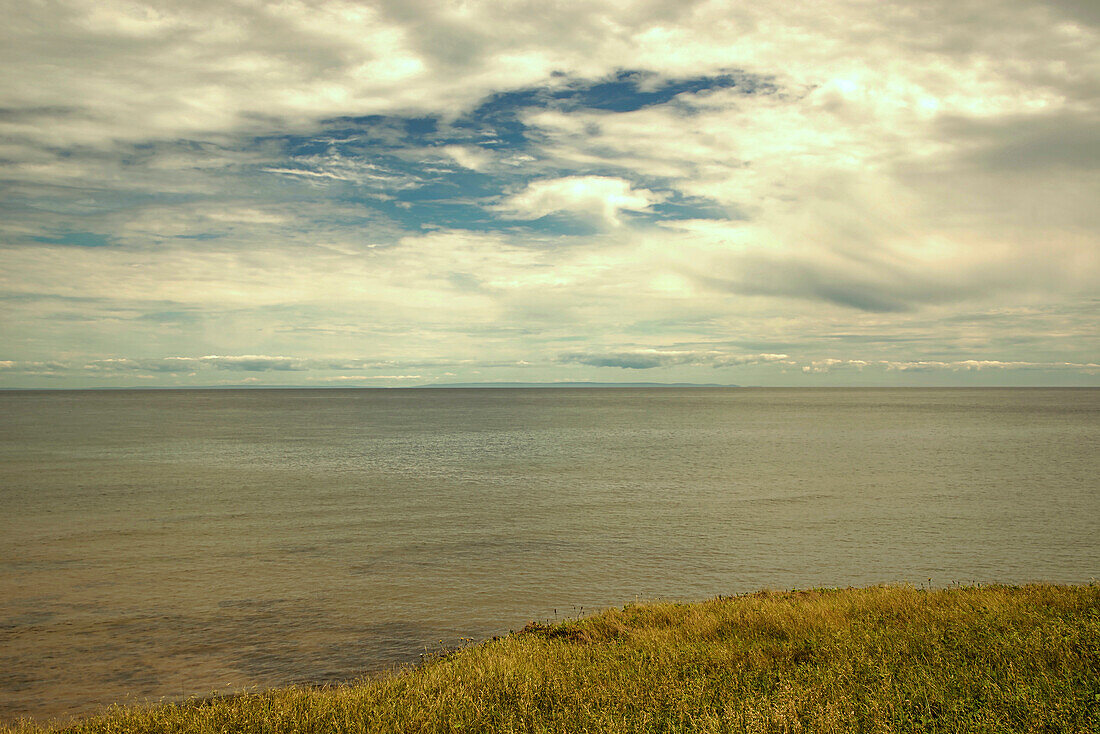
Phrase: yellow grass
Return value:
(883, 659)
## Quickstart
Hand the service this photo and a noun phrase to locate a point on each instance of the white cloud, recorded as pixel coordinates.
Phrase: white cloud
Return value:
(644, 359)
(599, 199)
(365, 378)
(964, 365)
(468, 156)
(113, 70)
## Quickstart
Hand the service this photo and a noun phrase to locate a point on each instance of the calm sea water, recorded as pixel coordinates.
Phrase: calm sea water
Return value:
(173, 543)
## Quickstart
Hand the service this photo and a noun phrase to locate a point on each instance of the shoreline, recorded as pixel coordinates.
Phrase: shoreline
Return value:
(892, 658)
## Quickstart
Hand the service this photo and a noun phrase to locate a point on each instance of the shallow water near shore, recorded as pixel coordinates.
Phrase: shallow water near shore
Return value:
(174, 543)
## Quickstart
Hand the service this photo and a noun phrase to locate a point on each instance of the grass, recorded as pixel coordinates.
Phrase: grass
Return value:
(882, 659)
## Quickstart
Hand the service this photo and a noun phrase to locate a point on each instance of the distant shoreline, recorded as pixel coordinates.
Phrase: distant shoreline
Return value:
(548, 386)
(428, 386)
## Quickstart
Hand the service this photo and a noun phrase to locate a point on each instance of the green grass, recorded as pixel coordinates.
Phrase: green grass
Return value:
(883, 659)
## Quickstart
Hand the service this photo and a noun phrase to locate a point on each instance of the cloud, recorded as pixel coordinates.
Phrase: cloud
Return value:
(1041, 140)
(158, 71)
(878, 288)
(253, 363)
(965, 365)
(365, 378)
(599, 199)
(262, 369)
(242, 363)
(469, 156)
(335, 167)
(645, 359)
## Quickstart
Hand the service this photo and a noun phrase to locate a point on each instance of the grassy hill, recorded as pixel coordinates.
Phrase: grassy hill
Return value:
(883, 659)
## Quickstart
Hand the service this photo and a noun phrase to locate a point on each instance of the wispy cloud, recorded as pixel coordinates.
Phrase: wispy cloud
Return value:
(265, 369)
(644, 359)
(827, 365)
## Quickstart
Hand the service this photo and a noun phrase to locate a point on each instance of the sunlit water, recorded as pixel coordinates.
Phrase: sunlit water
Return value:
(173, 543)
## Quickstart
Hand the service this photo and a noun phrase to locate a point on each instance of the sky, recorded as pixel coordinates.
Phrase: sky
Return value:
(404, 192)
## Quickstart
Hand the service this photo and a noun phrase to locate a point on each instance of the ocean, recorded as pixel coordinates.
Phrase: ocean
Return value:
(175, 543)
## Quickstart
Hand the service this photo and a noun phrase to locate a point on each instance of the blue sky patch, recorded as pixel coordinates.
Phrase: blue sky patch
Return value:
(76, 239)
(399, 167)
